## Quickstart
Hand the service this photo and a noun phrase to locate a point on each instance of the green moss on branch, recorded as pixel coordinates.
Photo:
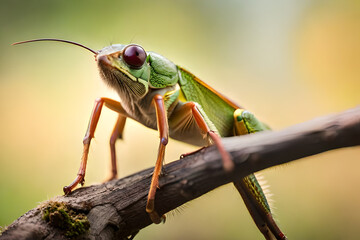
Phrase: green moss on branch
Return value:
(59, 215)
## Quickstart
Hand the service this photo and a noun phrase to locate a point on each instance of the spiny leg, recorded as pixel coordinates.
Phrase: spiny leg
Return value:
(249, 188)
(115, 135)
(163, 128)
(114, 105)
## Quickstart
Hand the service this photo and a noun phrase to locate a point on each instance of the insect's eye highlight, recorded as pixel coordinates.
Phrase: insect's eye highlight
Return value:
(134, 56)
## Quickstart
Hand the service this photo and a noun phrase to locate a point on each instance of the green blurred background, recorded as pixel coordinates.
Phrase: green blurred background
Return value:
(287, 61)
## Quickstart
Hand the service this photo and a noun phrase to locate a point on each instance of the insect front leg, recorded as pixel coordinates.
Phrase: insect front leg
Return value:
(113, 105)
(163, 128)
(115, 135)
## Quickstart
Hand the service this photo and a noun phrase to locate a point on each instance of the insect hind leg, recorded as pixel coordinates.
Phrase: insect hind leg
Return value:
(249, 188)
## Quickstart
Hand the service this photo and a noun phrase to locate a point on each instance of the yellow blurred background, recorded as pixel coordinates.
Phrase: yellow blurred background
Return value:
(286, 61)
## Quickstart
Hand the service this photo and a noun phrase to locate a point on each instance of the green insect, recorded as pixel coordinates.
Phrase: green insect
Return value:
(165, 97)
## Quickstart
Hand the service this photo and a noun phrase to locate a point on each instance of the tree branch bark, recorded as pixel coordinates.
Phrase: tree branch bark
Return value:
(116, 209)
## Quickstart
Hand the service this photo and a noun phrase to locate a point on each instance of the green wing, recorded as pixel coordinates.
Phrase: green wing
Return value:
(218, 108)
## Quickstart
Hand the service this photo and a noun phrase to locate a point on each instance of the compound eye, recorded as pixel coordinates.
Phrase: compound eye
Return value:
(134, 56)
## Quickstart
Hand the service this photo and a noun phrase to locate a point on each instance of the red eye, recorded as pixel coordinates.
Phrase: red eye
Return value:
(134, 56)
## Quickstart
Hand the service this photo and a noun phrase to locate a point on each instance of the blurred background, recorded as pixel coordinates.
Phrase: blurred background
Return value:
(288, 61)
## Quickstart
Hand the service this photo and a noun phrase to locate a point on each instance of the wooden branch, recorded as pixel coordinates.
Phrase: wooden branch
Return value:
(116, 209)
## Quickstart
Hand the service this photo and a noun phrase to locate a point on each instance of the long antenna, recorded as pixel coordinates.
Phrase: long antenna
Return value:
(56, 40)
